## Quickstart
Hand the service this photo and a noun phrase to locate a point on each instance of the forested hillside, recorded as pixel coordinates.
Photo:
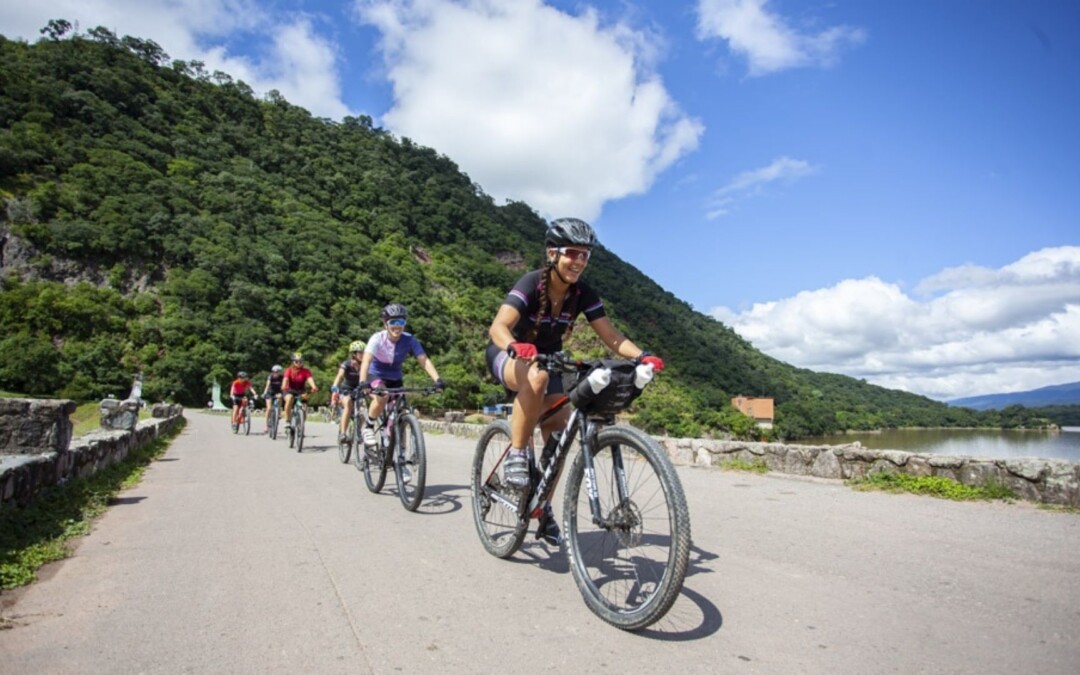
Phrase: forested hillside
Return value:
(164, 220)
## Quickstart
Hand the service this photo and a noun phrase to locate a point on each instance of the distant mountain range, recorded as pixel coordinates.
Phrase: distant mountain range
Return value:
(1060, 394)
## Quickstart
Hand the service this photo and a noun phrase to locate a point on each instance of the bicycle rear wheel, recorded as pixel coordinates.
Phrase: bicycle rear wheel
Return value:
(501, 531)
(411, 456)
(344, 446)
(630, 568)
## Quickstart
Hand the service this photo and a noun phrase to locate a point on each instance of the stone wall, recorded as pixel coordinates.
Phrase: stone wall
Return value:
(33, 426)
(1037, 480)
(23, 476)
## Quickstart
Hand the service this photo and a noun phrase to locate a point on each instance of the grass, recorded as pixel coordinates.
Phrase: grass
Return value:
(934, 486)
(756, 466)
(42, 531)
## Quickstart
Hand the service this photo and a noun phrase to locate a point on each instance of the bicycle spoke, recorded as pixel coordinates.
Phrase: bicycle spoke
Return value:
(630, 565)
(494, 506)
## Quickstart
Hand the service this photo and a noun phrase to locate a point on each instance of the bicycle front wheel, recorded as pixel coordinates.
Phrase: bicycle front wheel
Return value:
(271, 424)
(298, 429)
(357, 438)
(375, 464)
(344, 446)
(247, 423)
(630, 567)
(501, 531)
(410, 466)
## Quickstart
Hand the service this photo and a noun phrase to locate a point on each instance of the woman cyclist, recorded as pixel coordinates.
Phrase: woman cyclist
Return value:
(240, 387)
(272, 390)
(383, 356)
(349, 373)
(297, 379)
(535, 317)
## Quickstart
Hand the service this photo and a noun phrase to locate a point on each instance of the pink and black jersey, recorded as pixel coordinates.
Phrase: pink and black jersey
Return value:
(525, 298)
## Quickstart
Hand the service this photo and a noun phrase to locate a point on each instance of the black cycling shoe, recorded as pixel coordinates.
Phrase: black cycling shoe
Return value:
(548, 530)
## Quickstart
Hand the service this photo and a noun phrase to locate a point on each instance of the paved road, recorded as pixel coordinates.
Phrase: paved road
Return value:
(237, 555)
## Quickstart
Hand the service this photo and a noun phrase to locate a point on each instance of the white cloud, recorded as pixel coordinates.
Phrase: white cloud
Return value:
(556, 110)
(293, 58)
(750, 183)
(767, 41)
(982, 331)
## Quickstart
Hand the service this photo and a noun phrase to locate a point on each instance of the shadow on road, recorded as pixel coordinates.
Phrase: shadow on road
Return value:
(692, 617)
(439, 500)
(124, 500)
(547, 558)
(698, 558)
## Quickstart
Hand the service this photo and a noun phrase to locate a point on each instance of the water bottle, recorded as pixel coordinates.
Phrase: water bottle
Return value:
(643, 374)
(598, 379)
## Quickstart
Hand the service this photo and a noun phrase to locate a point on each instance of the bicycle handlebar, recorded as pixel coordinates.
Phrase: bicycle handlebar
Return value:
(381, 391)
(563, 362)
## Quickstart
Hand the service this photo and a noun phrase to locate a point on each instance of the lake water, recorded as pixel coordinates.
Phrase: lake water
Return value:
(1005, 444)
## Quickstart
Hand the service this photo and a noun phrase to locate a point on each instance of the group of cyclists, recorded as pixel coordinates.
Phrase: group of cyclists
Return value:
(535, 318)
(380, 359)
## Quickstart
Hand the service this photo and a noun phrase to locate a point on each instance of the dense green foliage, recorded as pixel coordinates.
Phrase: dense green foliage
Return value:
(169, 222)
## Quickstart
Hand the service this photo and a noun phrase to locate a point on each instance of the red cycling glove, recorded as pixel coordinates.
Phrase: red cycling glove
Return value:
(521, 350)
(656, 362)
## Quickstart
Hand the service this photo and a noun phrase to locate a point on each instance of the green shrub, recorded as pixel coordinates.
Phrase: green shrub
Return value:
(934, 486)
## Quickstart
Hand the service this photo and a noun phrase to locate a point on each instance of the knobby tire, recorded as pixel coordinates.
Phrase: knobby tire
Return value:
(299, 427)
(412, 451)
(500, 530)
(375, 463)
(630, 573)
(344, 448)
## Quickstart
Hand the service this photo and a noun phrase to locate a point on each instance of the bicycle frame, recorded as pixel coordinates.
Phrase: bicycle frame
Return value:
(396, 405)
(581, 425)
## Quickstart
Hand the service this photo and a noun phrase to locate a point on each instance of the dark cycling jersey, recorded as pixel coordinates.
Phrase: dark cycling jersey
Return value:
(274, 382)
(352, 374)
(525, 298)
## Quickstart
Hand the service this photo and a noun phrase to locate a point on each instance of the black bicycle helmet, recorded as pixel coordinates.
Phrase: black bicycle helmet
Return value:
(394, 311)
(570, 232)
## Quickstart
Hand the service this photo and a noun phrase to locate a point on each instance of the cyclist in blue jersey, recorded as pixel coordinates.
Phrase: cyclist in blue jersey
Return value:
(383, 356)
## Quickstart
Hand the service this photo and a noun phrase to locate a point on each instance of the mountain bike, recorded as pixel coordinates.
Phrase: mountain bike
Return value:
(625, 519)
(244, 420)
(275, 415)
(399, 444)
(299, 417)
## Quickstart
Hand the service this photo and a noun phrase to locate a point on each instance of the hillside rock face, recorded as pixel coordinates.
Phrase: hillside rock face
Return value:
(19, 257)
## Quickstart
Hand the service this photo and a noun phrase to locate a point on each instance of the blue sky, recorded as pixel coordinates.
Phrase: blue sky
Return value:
(884, 189)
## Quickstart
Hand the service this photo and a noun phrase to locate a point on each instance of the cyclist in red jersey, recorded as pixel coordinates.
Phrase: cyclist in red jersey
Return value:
(240, 386)
(297, 380)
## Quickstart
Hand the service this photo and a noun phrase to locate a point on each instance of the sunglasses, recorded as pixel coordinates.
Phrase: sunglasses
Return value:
(578, 254)
(396, 322)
